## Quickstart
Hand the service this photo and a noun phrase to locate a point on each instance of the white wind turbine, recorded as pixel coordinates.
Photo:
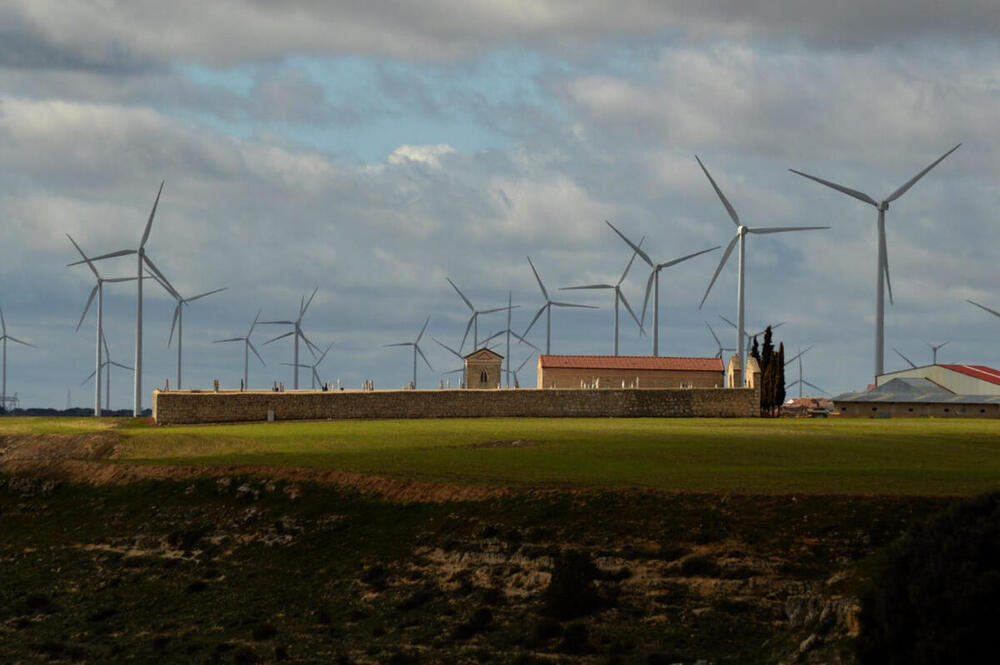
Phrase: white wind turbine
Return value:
(508, 332)
(749, 336)
(141, 259)
(741, 234)
(3, 338)
(882, 265)
(416, 349)
(98, 291)
(801, 381)
(547, 308)
(517, 384)
(106, 364)
(247, 348)
(297, 332)
(315, 374)
(654, 282)
(179, 323)
(619, 296)
(473, 320)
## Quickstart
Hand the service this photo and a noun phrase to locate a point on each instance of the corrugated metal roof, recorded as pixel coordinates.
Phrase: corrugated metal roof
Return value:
(631, 363)
(981, 372)
(915, 391)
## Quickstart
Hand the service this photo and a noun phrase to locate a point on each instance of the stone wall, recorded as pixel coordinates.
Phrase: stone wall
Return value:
(180, 407)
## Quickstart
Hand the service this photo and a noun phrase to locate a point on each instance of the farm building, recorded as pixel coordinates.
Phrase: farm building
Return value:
(956, 379)
(568, 372)
(913, 396)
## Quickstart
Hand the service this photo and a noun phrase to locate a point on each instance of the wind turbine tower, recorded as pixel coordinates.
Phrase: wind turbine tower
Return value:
(416, 349)
(179, 323)
(801, 381)
(882, 263)
(741, 234)
(934, 349)
(247, 348)
(547, 308)
(297, 332)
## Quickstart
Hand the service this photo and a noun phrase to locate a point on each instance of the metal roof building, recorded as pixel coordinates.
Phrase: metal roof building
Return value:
(955, 379)
(914, 397)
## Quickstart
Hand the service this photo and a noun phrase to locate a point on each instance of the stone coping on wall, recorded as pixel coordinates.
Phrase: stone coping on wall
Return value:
(209, 406)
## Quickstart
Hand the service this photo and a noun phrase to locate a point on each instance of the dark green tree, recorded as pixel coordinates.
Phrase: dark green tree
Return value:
(767, 350)
(779, 384)
(755, 352)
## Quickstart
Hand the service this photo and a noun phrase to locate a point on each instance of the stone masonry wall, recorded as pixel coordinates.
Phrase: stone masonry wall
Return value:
(180, 407)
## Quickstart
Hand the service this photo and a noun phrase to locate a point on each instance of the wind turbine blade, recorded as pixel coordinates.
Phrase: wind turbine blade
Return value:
(814, 387)
(309, 302)
(984, 307)
(323, 355)
(722, 264)
(885, 263)
(722, 197)
(400, 344)
(569, 304)
(104, 341)
(689, 256)
(588, 286)
(522, 340)
(111, 255)
(231, 339)
(312, 348)
(634, 317)
(782, 229)
(523, 363)
(908, 361)
(424, 357)
(3, 323)
(498, 309)
(714, 336)
(541, 309)
(942, 345)
(159, 275)
(649, 286)
(285, 323)
(428, 320)
(152, 213)
(14, 339)
(177, 311)
(93, 292)
(115, 280)
(116, 364)
(545, 293)
(797, 355)
(861, 196)
(912, 181)
(89, 377)
(642, 254)
(208, 293)
(447, 348)
(279, 337)
(254, 324)
(727, 321)
(254, 349)
(461, 295)
(629, 266)
(319, 381)
(468, 327)
(89, 264)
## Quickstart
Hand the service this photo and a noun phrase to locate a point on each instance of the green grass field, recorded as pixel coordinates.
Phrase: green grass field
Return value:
(914, 457)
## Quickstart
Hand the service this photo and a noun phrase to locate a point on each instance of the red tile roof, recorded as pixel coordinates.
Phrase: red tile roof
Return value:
(981, 372)
(632, 363)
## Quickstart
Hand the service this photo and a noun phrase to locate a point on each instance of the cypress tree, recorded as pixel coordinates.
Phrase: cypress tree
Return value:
(779, 385)
(767, 350)
(755, 352)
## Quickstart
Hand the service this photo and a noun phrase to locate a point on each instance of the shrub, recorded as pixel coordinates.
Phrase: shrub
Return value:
(571, 592)
(938, 598)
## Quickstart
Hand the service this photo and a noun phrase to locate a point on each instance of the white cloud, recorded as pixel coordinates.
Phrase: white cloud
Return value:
(421, 154)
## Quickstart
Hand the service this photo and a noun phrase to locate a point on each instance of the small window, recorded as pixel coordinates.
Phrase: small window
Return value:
(874, 408)
(982, 410)
(946, 410)
(483, 377)
(910, 409)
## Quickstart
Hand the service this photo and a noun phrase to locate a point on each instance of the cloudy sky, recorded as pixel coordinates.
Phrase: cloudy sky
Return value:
(373, 149)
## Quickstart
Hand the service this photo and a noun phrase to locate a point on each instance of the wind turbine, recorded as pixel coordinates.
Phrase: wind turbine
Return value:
(801, 381)
(508, 332)
(654, 282)
(416, 349)
(141, 259)
(3, 338)
(247, 348)
(547, 308)
(934, 349)
(882, 265)
(106, 364)
(741, 234)
(297, 332)
(315, 374)
(722, 350)
(179, 323)
(98, 290)
(619, 296)
(524, 362)
(908, 361)
(473, 320)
